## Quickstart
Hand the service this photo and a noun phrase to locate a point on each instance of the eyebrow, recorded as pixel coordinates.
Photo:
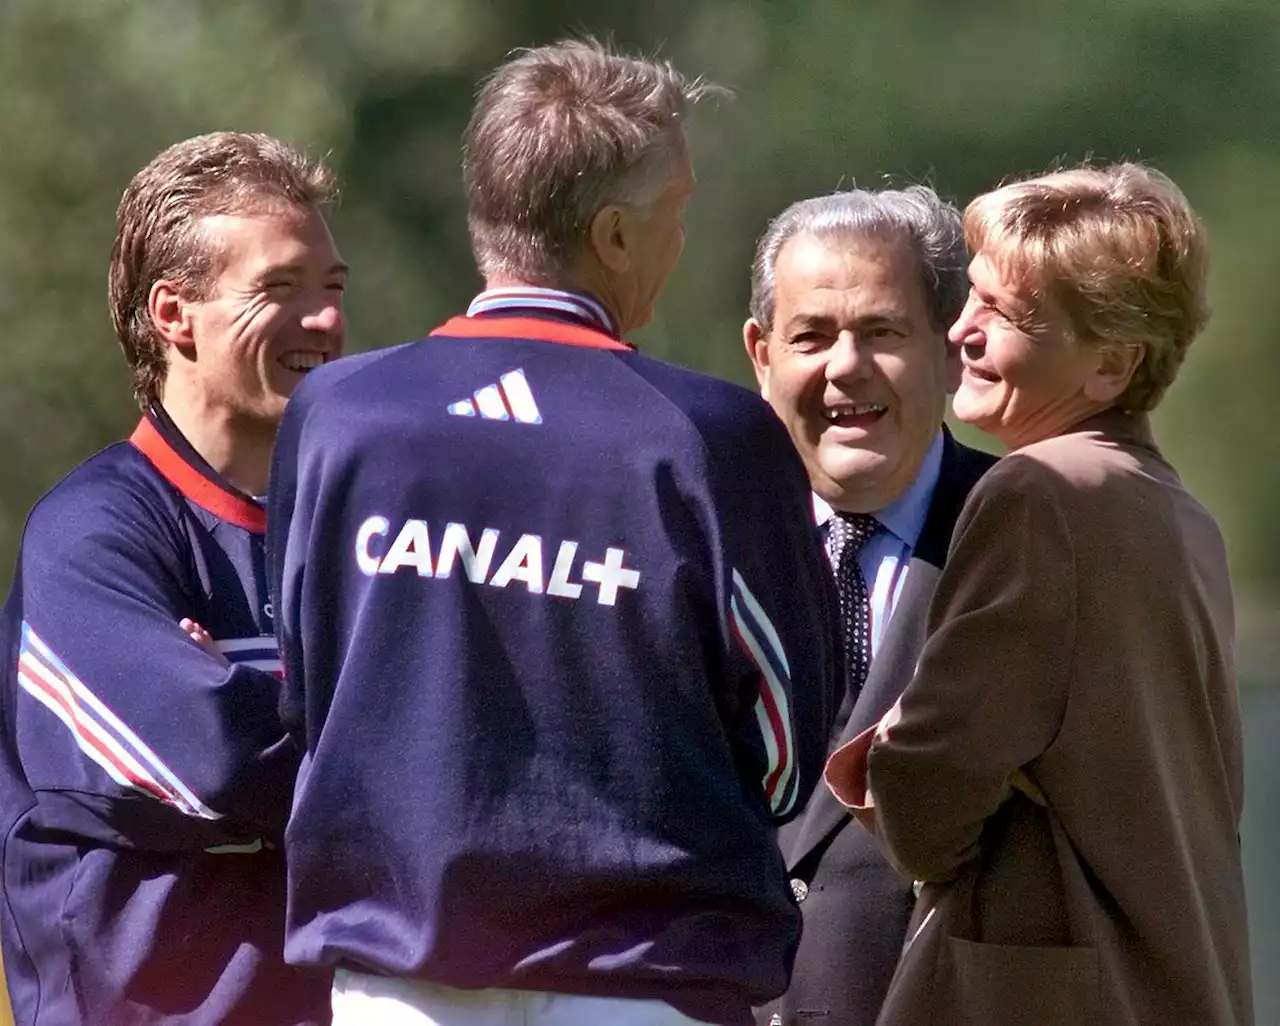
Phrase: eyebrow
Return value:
(984, 296)
(1005, 306)
(294, 269)
(885, 316)
(801, 321)
(981, 291)
(890, 316)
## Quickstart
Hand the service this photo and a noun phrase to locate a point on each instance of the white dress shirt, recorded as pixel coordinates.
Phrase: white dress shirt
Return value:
(885, 559)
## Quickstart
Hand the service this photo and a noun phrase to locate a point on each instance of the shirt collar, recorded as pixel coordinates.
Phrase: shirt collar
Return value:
(904, 517)
(576, 307)
(167, 449)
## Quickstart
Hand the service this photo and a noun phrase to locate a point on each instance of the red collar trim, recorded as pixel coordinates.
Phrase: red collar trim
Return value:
(527, 327)
(224, 505)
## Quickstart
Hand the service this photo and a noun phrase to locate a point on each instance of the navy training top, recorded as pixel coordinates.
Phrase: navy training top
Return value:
(145, 785)
(557, 637)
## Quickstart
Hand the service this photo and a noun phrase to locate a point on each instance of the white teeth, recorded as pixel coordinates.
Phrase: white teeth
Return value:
(301, 362)
(853, 409)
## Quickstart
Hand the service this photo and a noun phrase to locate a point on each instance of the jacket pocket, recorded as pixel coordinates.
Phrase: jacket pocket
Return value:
(1012, 984)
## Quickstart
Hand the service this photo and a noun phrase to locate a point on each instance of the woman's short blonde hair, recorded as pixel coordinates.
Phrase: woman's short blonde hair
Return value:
(1117, 249)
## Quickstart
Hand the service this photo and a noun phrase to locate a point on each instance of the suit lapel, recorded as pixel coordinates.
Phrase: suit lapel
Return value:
(900, 647)
(890, 670)
(895, 661)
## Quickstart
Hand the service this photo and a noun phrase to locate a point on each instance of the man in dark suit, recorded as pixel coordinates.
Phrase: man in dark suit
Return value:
(851, 298)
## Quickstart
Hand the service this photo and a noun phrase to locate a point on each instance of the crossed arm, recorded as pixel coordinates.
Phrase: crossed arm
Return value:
(989, 692)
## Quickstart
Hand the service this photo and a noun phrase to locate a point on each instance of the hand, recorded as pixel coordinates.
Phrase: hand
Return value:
(202, 638)
(889, 720)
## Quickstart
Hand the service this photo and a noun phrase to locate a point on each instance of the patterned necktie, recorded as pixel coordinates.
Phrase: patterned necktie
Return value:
(846, 534)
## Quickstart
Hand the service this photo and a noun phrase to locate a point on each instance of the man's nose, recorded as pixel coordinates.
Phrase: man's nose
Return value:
(848, 359)
(325, 316)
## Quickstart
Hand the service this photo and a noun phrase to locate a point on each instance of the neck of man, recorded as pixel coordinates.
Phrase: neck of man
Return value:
(237, 447)
(579, 278)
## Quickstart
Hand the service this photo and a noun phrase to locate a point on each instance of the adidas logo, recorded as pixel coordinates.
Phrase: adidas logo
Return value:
(509, 399)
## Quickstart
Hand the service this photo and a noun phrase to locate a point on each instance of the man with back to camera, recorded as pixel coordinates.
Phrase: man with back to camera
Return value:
(569, 648)
(851, 298)
(146, 780)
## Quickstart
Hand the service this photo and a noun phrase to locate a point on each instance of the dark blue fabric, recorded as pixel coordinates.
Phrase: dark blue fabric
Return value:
(116, 912)
(503, 787)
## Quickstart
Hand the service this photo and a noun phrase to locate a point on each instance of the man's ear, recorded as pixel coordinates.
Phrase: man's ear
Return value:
(1116, 365)
(609, 236)
(170, 313)
(756, 339)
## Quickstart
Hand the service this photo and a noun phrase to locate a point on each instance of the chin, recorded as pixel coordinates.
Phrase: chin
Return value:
(968, 410)
(853, 469)
(282, 386)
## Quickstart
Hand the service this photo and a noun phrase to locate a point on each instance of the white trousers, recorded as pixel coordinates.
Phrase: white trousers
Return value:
(360, 1000)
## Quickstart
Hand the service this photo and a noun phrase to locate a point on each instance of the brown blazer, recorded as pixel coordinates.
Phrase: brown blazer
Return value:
(1080, 651)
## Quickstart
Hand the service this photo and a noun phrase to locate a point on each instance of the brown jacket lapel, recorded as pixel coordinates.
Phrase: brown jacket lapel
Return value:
(903, 638)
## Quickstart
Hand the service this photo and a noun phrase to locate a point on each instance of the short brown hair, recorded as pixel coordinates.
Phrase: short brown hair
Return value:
(158, 233)
(556, 133)
(1118, 249)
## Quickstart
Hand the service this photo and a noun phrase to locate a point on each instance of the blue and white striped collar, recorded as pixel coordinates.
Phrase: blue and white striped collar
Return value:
(573, 306)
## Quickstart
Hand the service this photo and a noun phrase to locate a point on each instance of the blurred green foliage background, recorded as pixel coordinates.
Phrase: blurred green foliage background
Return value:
(828, 93)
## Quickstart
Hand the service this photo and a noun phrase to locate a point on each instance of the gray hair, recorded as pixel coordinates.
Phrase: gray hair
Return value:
(932, 226)
(557, 133)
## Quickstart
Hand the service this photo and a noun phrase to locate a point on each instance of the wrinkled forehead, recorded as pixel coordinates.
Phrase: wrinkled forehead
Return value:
(265, 232)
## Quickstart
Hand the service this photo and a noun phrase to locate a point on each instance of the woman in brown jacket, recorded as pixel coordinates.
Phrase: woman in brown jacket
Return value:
(1064, 773)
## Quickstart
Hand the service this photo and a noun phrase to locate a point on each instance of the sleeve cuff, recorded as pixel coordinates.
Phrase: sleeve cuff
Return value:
(846, 777)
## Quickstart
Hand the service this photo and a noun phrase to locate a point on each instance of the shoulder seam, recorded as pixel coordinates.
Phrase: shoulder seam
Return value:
(684, 416)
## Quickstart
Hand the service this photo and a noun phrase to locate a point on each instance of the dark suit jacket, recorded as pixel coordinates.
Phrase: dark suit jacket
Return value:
(857, 907)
